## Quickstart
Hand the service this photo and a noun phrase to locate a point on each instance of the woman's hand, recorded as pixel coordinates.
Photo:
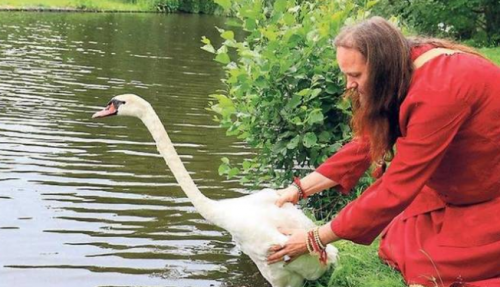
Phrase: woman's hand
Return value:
(293, 248)
(289, 194)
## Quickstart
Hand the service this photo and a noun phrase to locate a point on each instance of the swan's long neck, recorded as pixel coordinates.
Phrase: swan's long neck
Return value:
(204, 205)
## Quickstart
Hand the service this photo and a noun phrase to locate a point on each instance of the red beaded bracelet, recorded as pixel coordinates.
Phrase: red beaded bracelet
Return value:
(297, 184)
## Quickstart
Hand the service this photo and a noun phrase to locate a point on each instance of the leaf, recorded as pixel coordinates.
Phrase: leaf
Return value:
(294, 102)
(233, 172)
(289, 19)
(225, 4)
(315, 116)
(332, 89)
(250, 25)
(315, 93)
(205, 40)
(293, 143)
(223, 58)
(325, 136)
(344, 104)
(297, 121)
(209, 48)
(225, 160)
(304, 92)
(228, 35)
(370, 4)
(270, 33)
(247, 165)
(225, 106)
(223, 169)
(280, 6)
(309, 139)
(234, 22)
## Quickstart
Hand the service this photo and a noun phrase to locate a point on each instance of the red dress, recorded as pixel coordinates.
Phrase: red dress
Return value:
(438, 204)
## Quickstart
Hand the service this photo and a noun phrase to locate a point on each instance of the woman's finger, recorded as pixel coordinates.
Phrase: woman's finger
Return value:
(280, 256)
(280, 202)
(275, 248)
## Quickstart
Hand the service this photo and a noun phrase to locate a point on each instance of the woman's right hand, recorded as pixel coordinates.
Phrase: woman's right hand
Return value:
(289, 194)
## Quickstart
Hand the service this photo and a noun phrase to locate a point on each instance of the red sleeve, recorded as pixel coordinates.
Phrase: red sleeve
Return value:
(347, 165)
(430, 128)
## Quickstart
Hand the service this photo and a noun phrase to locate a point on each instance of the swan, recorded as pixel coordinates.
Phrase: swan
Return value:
(252, 220)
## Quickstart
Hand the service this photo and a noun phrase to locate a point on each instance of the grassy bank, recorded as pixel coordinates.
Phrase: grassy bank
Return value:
(189, 6)
(492, 53)
(102, 5)
(360, 266)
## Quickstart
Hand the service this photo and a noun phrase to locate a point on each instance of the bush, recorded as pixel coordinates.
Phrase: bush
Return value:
(284, 87)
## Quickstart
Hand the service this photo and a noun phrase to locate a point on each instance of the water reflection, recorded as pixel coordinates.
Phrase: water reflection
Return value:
(91, 203)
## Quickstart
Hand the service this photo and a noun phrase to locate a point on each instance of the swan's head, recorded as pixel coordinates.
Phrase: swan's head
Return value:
(125, 105)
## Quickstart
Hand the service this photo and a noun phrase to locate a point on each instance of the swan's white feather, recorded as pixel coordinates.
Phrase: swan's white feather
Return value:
(253, 221)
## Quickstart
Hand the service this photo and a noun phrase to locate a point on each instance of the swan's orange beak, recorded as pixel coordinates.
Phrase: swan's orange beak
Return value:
(110, 110)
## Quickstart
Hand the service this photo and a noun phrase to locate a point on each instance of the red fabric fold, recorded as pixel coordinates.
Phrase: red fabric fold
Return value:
(347, 165)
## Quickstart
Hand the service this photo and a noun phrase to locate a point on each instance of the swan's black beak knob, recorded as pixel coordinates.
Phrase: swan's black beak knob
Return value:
(110, 110)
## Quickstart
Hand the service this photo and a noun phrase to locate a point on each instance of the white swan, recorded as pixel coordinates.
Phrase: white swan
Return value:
(252, 220)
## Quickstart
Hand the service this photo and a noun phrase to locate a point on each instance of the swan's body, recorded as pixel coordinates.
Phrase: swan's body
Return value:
(252, 220)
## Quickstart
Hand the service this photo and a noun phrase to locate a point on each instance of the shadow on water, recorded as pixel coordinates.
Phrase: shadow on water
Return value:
(91, 203)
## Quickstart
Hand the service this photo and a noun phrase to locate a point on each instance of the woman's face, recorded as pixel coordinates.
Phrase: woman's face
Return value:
(353, 64)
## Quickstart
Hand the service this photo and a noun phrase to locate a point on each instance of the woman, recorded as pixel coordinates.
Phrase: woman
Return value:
(437, 207)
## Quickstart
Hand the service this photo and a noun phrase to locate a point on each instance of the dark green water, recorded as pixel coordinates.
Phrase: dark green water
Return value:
(91, 203)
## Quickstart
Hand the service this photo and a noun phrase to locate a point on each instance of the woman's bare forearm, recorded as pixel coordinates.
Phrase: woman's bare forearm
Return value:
(316, 182)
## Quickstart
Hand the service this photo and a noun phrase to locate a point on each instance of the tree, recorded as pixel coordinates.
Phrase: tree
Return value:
(476, 21)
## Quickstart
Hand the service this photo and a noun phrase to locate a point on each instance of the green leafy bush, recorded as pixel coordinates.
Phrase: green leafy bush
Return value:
(284, 87)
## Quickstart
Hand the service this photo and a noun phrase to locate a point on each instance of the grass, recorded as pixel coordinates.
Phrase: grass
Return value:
(101, 5)
(492, 53)
(359, 266)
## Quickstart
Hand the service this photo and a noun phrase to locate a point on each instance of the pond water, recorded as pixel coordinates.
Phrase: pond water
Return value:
(90, 202)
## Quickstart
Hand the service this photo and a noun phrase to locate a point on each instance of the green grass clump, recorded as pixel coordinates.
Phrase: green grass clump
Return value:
(492, 54)
(359, 266)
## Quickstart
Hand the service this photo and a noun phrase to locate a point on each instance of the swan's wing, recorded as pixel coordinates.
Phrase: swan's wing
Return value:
(253, 222)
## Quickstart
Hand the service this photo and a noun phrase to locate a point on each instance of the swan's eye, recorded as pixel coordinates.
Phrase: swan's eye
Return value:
(116, 103)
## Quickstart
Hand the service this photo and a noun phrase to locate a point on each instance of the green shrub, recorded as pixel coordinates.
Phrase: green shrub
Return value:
(284, 89)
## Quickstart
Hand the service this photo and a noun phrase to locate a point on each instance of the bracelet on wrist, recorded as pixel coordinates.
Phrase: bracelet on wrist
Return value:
(298, 185)
(315, 246)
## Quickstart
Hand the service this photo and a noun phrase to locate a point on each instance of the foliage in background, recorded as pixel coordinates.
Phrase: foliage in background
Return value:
(284, 87)
(474, 21)
(167, 6)
(187, 6)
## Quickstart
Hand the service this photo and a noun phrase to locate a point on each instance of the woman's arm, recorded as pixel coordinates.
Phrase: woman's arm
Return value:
(311, 184)
(341, 170)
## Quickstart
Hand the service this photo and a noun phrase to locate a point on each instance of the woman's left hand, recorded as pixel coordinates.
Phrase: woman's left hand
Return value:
(293, 248)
